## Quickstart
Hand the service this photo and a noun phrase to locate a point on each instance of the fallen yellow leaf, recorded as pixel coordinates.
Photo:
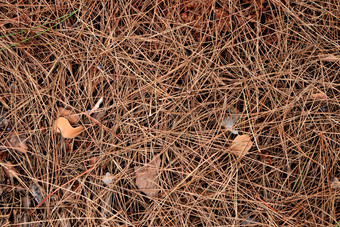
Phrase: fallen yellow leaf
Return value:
(62, 125)
(241, 145)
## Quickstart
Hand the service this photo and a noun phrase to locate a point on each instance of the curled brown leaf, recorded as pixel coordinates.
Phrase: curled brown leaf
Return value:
(241, 145)
(17, 142)
(62, 125)
(147, 177)
(68, 114)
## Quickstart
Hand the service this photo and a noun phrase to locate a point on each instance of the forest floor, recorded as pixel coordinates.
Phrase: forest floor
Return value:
(170, 113)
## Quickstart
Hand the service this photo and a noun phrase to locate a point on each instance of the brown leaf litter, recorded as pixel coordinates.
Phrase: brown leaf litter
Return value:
(68, 114)
(241, 145)
(62, 125)
(17, 142)
(147, 177)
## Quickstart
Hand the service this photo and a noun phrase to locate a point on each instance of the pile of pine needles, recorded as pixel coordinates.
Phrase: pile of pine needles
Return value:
(170, 72)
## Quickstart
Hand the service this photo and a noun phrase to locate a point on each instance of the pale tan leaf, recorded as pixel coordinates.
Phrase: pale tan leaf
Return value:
(241, 145)
(336, 183)
(62, 125)
(320, 95)
(147, 177)
(68, 114)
